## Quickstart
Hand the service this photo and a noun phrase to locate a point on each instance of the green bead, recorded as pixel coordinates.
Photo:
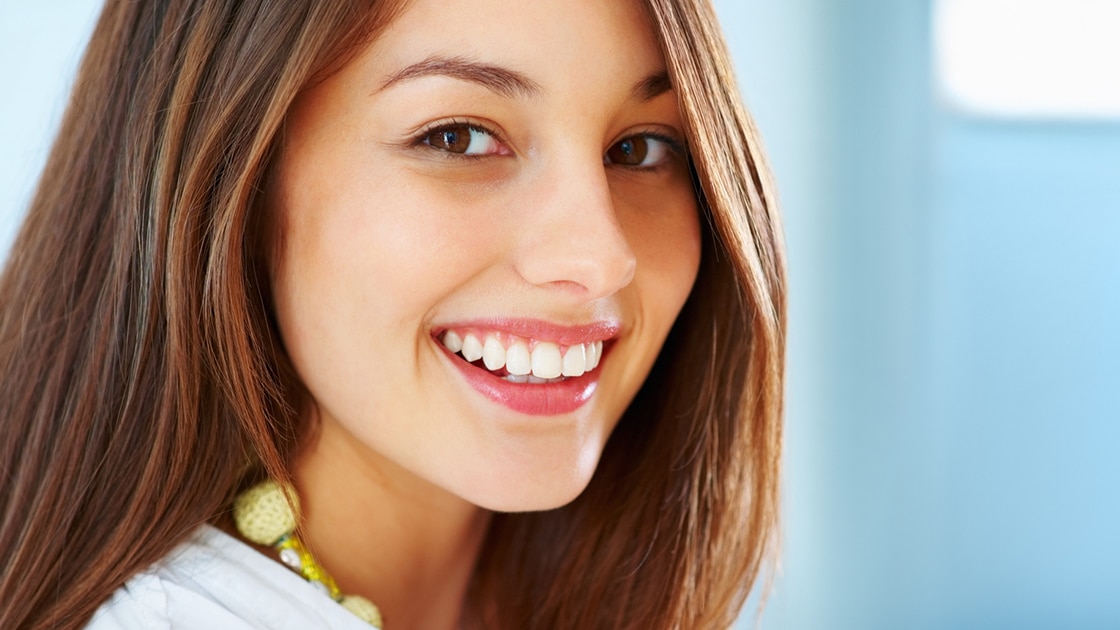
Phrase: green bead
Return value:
(363, 609)
(266, 513)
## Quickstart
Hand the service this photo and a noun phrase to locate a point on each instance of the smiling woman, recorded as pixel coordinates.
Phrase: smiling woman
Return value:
(336, 302)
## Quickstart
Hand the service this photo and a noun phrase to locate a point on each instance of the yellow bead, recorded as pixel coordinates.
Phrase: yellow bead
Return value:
(263, 513)
(267, 514)
(310, 568)
(363, 609)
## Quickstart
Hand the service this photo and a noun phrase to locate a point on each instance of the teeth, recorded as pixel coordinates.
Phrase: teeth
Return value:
(544, 364)
(472, 348)
(536, 380)
(530, 379)
(452, 341)
(594, 353)
(546, 360)
(493, 354)
(518, 360)
(575, 361)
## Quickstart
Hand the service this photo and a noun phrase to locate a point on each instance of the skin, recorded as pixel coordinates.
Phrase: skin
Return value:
(386, 237)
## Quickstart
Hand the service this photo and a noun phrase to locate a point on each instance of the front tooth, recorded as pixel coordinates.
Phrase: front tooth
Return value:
(575, 361)
(472, 348)
(594, 353)
(516, 378)
(493, 354)
(452, 341)
(517, 359)
(546, 360)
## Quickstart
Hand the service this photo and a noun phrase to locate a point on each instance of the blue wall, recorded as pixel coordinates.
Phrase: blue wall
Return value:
(955, 358)
(1024, 354)
(40, 46)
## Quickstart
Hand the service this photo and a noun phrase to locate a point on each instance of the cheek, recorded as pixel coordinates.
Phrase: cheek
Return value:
(380, 252)
(370, 238)
(666, 243)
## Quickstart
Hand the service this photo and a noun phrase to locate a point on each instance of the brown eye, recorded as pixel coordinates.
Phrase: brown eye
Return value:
(456, 139)
(642, 151)
(463, 139)
(629, 151)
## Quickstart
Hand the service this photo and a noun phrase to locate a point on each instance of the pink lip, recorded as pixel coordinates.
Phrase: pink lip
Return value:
(539, 330)
(543, 399)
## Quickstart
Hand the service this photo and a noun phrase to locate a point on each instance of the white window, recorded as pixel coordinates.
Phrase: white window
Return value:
(1056, 59)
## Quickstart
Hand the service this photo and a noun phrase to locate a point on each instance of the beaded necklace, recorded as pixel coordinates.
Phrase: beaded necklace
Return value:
(267, 515)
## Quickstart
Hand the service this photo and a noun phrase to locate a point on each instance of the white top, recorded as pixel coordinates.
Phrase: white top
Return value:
(214, 581)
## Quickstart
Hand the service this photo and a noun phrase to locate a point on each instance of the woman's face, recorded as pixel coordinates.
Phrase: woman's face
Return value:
(490, 178)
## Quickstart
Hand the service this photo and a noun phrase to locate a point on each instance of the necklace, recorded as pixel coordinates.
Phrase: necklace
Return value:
(267, 514)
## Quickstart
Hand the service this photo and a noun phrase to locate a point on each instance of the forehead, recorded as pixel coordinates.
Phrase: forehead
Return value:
(560, 45)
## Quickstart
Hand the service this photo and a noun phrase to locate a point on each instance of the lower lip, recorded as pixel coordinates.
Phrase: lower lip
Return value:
(534, 399)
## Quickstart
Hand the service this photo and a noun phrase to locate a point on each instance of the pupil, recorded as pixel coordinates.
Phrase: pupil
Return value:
(630, 152)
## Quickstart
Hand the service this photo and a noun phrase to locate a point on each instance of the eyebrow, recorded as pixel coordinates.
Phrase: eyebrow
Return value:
(504, 81)
(652, 86)
(508, 83)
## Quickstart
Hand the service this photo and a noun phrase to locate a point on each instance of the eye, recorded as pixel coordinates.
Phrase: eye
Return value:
(462, 139)
(641, 151)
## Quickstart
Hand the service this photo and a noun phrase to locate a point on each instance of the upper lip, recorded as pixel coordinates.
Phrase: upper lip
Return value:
(540, 330)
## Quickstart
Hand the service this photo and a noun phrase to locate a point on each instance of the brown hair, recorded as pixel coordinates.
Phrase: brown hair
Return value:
(142, 377)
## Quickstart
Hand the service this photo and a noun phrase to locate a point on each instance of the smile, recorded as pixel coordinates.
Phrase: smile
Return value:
(510, 356)
(531, 367)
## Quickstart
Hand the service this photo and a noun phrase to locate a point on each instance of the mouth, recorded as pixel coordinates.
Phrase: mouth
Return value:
(530, 367)
(520, 360)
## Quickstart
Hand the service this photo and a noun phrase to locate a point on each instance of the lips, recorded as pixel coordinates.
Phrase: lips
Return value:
(529, 366)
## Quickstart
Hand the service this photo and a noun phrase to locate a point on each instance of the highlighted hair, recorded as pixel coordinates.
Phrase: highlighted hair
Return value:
(144, 383)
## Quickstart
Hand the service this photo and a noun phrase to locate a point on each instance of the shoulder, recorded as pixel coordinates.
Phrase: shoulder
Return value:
(141, 603)
(176, 592)
(215, 581)
(150, 601)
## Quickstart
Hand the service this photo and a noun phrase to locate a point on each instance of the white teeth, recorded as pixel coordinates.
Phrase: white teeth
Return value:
(575, 361)
(530, 379)
(517, 359)
(546, 360)
(472, 348)
(493, 354)
(545, 363)
(594, 353)
(452, 341)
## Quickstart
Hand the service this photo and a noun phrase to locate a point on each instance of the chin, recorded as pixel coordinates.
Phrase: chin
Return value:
(537, 489)
(529, 502)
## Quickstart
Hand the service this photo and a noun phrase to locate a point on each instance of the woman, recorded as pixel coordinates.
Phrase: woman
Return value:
(411, 264)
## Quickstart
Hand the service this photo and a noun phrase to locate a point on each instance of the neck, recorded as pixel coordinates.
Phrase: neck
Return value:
(383, 533)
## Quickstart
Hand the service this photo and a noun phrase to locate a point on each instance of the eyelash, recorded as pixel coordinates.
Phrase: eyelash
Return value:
(421, 141)
(675, 147)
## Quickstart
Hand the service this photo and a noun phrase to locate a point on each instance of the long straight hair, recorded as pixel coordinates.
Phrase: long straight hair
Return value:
(143, 380)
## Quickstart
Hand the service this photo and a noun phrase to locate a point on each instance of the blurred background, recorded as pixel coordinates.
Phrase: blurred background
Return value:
(950, 172)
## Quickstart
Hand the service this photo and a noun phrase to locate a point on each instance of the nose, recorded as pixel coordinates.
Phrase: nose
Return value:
(573, 241)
